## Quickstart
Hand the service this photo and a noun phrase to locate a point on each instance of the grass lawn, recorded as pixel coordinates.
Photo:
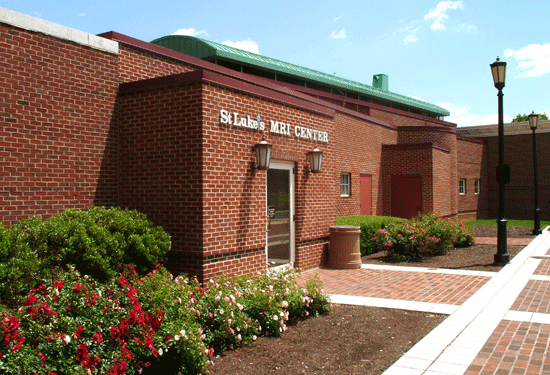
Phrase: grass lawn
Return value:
(511, 223)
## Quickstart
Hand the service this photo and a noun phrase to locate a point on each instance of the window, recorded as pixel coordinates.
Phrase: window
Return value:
(476, 186)
(345, 184)
(462, 186)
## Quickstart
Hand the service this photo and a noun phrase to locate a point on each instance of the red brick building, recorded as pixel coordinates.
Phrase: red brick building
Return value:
(111, 120)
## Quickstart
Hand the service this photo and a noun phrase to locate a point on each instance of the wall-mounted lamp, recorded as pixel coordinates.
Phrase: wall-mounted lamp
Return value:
(263, 156)
(315, 160)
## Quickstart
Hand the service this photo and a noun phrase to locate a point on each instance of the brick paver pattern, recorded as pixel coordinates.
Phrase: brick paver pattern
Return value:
(402, 285)
(514, 348)
(535, 297)
(510, 241)
(544, 267)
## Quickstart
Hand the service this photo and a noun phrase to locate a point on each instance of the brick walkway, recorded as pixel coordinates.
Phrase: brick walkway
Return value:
(499, 323)
(410, 285)
(520, 344)
(510, 241)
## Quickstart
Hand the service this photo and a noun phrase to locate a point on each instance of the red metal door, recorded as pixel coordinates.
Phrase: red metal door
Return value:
(406, 196)
(365, 194)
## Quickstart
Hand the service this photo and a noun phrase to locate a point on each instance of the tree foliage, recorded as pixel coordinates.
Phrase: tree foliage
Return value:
(521, 118)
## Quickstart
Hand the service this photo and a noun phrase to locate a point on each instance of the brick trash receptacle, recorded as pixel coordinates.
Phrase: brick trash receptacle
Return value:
(345, 251)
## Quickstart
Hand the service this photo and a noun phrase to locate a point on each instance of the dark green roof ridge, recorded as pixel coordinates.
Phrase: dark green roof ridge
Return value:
(202, 49)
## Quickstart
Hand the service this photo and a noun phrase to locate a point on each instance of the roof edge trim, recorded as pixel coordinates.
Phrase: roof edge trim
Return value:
(207, 76)
(35, 24)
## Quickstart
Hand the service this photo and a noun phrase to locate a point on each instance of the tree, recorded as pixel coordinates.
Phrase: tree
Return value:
(520, 118)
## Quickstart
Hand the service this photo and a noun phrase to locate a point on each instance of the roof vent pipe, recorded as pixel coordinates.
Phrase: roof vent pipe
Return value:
(380, 81)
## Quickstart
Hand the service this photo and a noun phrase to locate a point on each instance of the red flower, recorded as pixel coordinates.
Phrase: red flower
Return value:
(97, 337)
(82, 357)
(43, 358)
(31, 299)
(78, 332)
(77, 288)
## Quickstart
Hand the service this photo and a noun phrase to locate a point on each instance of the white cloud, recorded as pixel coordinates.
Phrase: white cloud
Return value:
(460, 115)
(190, 32)
(411, 38)
(533, 59)
(492, 119)
(416, 97)
(467, 28)
(440, 13)
(245, 45)
(338, 18)
(340, 35)
(82, 15)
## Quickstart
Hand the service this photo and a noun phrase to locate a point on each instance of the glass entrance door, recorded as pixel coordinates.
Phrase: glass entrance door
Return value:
(280, 212)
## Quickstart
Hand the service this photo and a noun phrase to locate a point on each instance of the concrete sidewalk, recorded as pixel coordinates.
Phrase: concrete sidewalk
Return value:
(499, 323)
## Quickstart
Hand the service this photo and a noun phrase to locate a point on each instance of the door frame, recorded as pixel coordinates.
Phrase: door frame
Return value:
(362, 178)
(289, 166)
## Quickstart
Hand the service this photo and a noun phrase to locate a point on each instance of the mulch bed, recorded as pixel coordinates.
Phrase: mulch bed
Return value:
(357, 340)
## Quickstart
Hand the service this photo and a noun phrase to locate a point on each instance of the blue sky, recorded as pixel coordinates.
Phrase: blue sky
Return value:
(437, 51)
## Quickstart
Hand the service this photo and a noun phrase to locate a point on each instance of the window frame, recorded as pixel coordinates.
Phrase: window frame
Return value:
(462, 186)
(477, 186)
(345, 185)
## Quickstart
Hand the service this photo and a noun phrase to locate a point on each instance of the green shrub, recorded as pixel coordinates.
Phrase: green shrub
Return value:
(424, 236)
(19, 266)
(236, 311)
(97, 242)
(369, 226)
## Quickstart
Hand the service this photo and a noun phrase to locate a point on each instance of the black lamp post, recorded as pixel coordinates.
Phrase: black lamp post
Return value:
(533, 119)
(498, 68)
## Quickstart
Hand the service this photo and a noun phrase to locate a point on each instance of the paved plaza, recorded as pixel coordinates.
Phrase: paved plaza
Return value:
(499, 322)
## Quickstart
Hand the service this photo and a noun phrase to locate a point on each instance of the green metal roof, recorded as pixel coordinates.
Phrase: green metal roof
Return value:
(204, 49)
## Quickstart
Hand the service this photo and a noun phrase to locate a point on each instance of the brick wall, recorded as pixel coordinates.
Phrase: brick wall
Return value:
(136, 64)
(472, 165)
(423, 160)
(363, 142)
(59, 133)
(446, 138)
(235, 200)
(442, 183)
(520, 191)
(161, 167)
(191, 174)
